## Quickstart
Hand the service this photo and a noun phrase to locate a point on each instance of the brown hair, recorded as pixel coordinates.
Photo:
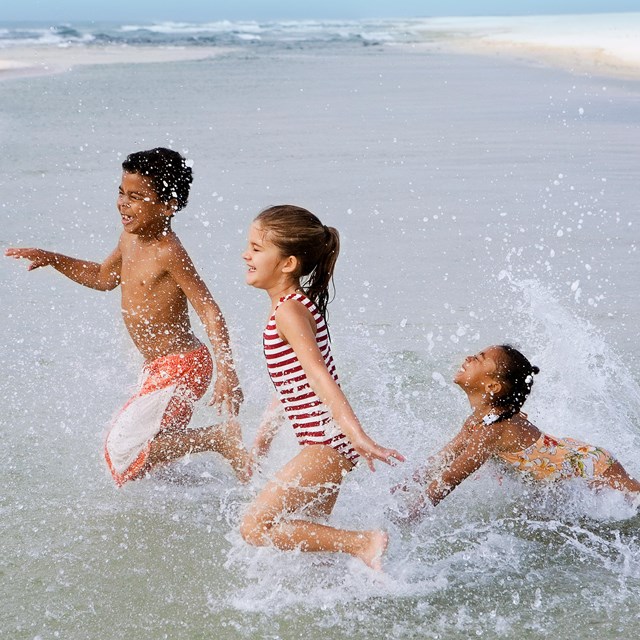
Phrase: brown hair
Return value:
(298, 232)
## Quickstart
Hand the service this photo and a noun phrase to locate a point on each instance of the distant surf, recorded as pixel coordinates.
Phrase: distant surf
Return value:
(605, 44)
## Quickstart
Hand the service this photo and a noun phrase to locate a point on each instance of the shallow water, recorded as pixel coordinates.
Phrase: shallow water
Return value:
(478, 200)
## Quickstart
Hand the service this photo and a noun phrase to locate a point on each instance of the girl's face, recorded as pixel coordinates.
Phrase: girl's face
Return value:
(263, 259)
(479, 370)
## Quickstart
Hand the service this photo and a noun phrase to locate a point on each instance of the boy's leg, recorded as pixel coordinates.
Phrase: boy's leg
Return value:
(225, 439)
(313, 476)
(151, 427)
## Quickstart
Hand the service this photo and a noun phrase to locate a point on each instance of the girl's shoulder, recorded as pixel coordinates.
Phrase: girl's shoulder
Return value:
(294, 312)
(475, 425)
(476, 434)
(518, 433)
(295, 303)
(485, 429)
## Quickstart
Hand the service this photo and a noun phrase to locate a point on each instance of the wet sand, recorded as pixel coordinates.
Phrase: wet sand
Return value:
(43, 60)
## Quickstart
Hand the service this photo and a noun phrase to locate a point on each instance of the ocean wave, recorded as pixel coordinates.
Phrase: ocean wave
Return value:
(50, 35)
(180, 28)
(614, 34)
(167, 33)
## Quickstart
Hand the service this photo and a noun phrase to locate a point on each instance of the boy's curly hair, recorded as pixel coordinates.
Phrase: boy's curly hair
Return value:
(170, 176)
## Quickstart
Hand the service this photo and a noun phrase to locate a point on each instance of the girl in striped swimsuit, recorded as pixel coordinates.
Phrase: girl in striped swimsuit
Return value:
(288, 244)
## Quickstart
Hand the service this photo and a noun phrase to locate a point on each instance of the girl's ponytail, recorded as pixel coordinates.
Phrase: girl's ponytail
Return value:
(319, 280)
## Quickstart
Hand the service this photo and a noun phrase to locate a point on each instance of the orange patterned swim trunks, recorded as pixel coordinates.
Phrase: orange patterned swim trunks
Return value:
(168, 390)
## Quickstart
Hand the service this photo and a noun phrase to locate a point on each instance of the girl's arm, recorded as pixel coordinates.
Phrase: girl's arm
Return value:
(436, 462)
(414, 501)
(227, 389)
(103, 276)
(479, 447)
(296, 326)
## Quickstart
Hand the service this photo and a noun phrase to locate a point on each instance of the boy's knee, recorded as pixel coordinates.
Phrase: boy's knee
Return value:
(254, 529)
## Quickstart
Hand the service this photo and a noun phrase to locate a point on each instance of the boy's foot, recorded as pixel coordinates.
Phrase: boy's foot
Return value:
(226, 439)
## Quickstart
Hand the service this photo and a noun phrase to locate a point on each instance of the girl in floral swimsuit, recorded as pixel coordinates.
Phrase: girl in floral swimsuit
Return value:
(291, 255)
(497, 381)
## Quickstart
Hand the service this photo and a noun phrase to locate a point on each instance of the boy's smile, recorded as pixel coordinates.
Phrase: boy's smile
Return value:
(140, 210)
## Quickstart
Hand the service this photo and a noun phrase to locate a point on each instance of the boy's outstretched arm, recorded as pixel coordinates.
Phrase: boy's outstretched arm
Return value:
(101, 276)
(227, 389)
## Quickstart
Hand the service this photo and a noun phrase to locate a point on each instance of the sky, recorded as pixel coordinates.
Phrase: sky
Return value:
(211, 10)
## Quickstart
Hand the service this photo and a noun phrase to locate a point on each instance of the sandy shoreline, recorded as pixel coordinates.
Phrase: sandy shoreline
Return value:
(606, 44)
(594, 61)
(43, 60)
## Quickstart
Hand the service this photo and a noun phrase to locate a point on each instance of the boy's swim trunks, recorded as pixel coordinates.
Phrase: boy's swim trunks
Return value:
(168, 389)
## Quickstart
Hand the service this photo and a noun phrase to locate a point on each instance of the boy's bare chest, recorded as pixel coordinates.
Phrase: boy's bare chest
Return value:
(142, 270)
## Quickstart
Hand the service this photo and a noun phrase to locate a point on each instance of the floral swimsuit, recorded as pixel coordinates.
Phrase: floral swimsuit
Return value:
(552, 458)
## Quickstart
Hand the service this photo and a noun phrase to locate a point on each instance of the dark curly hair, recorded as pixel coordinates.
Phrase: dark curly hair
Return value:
(515, 373)
(170, 176)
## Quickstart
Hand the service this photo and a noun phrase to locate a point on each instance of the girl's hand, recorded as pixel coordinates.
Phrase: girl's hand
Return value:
(253, 462)
(421, 477)
(38, 257)
(370, 451)
(250, 466)
(227, 393)
(410, 507)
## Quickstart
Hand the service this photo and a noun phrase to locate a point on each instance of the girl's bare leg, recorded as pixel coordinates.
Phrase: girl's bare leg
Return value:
(225, 439)
(616, 476)
(311, 482)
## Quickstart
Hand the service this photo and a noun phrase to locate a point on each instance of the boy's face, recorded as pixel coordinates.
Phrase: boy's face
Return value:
(141, 211)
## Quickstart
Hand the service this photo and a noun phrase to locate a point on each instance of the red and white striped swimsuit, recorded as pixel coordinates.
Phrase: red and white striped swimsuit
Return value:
(312, 421)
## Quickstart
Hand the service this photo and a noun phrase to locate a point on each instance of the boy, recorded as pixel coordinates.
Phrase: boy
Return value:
(157, 279)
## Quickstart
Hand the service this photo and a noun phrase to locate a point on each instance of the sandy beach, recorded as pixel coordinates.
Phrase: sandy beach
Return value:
(599, 44)
(43, 59)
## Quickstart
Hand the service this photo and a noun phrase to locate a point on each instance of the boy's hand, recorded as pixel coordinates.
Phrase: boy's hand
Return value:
(38, 257)
(227, 393)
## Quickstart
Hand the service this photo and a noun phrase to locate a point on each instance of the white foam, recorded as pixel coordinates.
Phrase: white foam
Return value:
(223, 26)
